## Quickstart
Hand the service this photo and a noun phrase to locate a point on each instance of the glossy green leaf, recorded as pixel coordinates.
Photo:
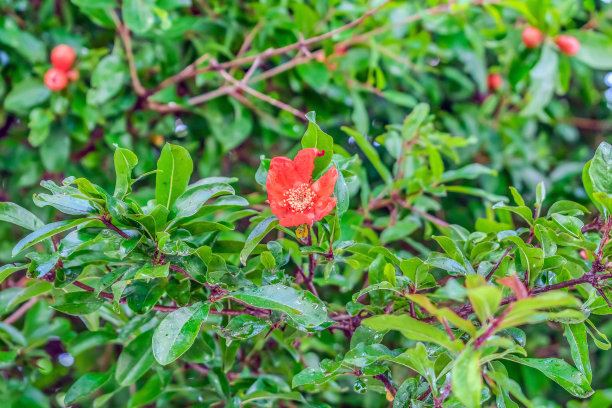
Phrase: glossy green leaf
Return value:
(315, 137)
(86, 385)
(301, 306)
(47, 231)
(175, 167)
(177, 332)
(568, 377)
(125, 161)
(15, 214)
(135, 359)
(256, 235)
(576, 336)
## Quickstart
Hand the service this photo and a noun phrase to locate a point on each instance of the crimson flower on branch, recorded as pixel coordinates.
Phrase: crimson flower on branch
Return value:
(292, 195)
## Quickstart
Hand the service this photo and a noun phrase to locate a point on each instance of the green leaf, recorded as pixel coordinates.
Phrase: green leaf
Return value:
(523, 211)
(11, 212)
(138, 15)
(466, 378)
(177, 332)
(55, 151)
(570, 224)
(25, 95)
(8, 270)
(135, 360)
(142, 296)
(542, 87)
(45, 232)
(65, 203)
(485, 300)
(26, 44)
(106, 80)
(575, 382)
(412, 329)
(315, 137)
(125, 161)
(414, 120)
(154, 387)
(85, 385)
(370, 153)
(244, 327)
(175, 167)
(150, 271)
(77, 303)
(509, 385)
(576, 335)
(192, 200)
(600, 170)
(470, 172)
(257, 234)
(418, 360)
(301, 306)
(595, 48)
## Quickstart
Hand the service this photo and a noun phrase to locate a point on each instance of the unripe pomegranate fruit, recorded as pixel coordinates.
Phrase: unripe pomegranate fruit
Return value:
(495, 81)
(72, 75)
(532, 37)
(567, 44)
(62, 57)
(55, 79)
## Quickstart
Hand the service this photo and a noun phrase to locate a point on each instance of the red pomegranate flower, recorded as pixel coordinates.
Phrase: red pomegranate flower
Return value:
(292, 195)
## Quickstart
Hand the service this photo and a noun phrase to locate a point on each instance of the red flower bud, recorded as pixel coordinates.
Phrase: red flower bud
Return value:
(494, 81)
(567, 44)
(532, 37)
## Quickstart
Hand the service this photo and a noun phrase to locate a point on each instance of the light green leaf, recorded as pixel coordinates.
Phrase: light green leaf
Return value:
(466, 378)
(412, 329)
(125, 161)
(175, 167)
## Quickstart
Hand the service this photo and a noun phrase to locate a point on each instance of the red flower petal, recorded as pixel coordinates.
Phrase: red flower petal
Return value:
(295, 219)
(324, 186)
(304, 164)
(281, 177)
(323, 207)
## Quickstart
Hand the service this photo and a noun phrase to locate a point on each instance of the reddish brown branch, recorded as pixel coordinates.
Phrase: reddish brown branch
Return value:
(107, 222)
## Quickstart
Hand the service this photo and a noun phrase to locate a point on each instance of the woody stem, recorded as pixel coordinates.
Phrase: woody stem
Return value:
(311, 266)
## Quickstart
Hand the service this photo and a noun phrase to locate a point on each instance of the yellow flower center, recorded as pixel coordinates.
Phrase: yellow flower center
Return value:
(300, 199)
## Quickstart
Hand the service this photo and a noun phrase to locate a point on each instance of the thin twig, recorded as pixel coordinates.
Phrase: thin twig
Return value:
(20, 312)
(281, 105)
(110, 225)
(498, 264)
(124, 33)
(383, 378)
(428, 216)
